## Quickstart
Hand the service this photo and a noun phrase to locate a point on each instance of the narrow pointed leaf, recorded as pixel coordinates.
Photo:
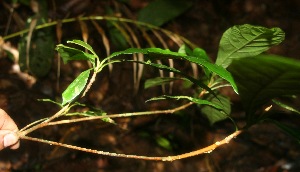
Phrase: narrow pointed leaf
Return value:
(160, 53)
(83, 44)
(287, 107)
(192, 99)
(246, 41)
(76, 87)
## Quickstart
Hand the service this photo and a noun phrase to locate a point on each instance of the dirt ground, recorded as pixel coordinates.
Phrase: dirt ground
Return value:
(263, 148)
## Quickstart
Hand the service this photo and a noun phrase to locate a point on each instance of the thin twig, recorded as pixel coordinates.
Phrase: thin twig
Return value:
(207, 149)
(89, 85)
(23, 132)
(169, 111)
(33, 123)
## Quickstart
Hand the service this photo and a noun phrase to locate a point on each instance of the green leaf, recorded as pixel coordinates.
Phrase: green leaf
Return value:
(287, 107)
(160, 12)
(264, 77)
(158, 81)
(184, 49)
(246, 41)
(160, 53)
(117, 34)
(83, 44)
(76, 87)
(51, 101)
(292, 131)
(69, 53)
(164, 142)
(170, 69)
(93, 113)
(199, 52)
(195, 100)
(217, 114)
(222, 72)
(41, 51)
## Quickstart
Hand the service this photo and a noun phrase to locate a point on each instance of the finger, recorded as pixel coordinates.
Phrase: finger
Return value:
(6, 123)
(11, 140)
(8, 139)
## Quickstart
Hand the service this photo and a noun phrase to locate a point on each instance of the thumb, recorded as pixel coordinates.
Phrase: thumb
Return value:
(9, 139)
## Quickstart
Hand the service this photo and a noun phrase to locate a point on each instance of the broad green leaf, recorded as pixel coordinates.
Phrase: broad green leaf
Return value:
(160, 12)
(199, 52)
(158, 81)
(264, 77)
(160, 53)
(195, 100)
(246, 41)
(76, 87)
(292, 131)
(217, 114)
(69, 53)
(83, 44)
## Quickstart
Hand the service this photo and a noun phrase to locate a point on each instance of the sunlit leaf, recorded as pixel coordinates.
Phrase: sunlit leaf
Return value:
(76, 87)
(285, 106)
(264, 77)
(246, 41)
(160, 53)
(83, 44)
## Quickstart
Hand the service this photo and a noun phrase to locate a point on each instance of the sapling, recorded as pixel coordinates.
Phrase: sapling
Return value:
(240, 64)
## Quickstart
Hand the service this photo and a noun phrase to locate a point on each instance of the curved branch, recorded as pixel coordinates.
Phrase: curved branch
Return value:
(207, 149)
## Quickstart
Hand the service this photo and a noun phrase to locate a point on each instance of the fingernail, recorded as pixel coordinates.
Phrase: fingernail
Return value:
(9, 139)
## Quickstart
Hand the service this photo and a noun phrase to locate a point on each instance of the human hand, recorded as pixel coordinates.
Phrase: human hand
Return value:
(8, 129)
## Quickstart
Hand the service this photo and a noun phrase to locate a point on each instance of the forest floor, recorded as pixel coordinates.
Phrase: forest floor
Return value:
(262, 148)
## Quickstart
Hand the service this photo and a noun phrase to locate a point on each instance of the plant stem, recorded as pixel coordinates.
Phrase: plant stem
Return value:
(23, 132)
(169, 111)
(207, 149)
